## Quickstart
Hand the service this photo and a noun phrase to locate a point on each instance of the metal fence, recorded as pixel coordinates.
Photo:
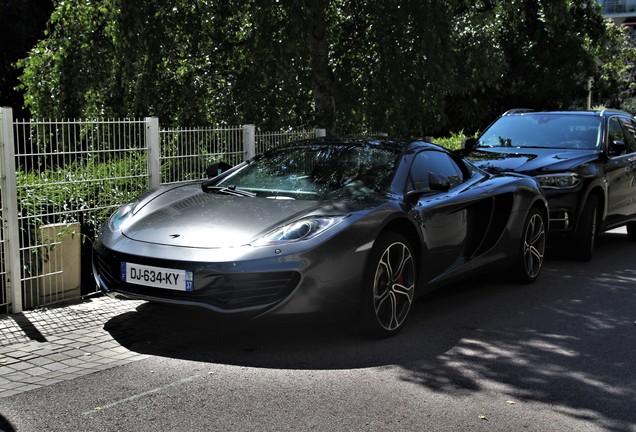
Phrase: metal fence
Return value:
(61, 179)
(185, 153)
(268, 140)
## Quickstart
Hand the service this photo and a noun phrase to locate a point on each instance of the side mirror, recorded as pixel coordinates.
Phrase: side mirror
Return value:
(617, 148)
(469, 144)
(217, 168)
(436, 183)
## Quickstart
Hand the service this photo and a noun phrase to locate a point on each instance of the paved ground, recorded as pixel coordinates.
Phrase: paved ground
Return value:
(484, 356)
(46, 346)
(551, 356)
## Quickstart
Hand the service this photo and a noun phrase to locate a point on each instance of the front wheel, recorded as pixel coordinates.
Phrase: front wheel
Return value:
(586, 230)
(530, 260)
(389, 287)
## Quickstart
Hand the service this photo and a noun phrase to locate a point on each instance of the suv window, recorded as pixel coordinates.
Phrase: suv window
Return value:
(615, 131)
(437, 162)
(549, 130)
(630, 135)
(620, 129)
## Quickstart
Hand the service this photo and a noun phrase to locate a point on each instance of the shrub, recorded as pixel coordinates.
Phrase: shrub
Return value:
(453, 142)
(85, 193)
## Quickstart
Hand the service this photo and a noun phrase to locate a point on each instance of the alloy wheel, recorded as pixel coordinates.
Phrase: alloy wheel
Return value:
(393, 286)
(534, 245)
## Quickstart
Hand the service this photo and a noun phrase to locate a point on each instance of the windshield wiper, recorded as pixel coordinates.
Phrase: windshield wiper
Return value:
(230, 190)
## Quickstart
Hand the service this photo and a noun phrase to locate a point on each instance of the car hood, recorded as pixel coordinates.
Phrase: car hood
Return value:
(188, 217)
(531, 161)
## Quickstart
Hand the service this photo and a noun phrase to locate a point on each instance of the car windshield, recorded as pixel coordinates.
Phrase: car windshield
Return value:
(544, 130)
(316, 171)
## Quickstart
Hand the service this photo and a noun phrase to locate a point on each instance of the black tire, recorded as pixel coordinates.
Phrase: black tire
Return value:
(389, 285)
(532, 248)
(586, 230)
(631, 231)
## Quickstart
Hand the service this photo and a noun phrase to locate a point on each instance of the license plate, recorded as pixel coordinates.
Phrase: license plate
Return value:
(158, 277)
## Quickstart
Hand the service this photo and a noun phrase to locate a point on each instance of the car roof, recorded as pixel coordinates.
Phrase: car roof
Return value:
(592, 113)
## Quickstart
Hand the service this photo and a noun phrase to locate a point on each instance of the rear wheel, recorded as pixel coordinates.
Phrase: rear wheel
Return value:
(530, 259)
(586, 230)
(389, 285)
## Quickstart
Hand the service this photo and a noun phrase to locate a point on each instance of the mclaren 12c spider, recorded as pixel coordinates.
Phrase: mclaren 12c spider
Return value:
(359, 227)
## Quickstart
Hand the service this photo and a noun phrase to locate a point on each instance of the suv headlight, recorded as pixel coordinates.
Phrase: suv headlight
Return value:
(559, 181)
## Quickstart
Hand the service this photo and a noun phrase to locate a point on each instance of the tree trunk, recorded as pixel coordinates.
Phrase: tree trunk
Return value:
(321, 74)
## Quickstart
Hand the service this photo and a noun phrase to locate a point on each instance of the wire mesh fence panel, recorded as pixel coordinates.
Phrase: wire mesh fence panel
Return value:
(70, 176)
(269, 140)
(186, 153)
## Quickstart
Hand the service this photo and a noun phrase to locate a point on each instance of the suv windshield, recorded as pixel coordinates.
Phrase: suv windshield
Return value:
(543, 130)
(316, 171)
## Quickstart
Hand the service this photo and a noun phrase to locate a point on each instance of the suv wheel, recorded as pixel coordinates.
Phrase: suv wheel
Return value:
(587, 230)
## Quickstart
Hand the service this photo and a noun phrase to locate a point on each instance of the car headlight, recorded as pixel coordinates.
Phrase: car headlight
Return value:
(559, 181)
(119, 218)
(303, 229)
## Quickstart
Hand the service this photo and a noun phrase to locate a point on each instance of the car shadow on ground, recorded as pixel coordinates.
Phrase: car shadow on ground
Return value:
(193, 334)
(437, 322)
(568, 339)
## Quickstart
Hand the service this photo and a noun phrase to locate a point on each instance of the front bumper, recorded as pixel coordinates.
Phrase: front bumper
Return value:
(218, 290)
(564, 210)
(326, 279)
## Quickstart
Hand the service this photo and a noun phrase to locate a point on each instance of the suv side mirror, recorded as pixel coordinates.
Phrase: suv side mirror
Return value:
(469, 144)
(617, 148)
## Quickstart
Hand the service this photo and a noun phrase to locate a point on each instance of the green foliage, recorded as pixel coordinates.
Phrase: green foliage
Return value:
(629, 105)
(406, 68)
(71, 193)
(22, 23)
(615, 82)
(392, 69)
(79, 192)
(452, 142)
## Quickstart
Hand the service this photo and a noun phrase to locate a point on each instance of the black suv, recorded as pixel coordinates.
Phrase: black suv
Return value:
(584, 160)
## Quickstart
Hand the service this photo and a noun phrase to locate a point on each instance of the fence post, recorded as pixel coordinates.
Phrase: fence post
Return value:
(10, 211)
(249, 141)
(154, 152)
(321, 133)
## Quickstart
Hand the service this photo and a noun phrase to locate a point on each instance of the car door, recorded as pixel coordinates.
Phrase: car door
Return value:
(620, 169)
(442, 215)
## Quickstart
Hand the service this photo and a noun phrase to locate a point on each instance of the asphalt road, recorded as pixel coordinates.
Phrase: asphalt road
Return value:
(483, 355)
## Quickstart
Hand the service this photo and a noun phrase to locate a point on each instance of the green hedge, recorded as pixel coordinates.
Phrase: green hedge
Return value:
(452, 142)
(85, 193)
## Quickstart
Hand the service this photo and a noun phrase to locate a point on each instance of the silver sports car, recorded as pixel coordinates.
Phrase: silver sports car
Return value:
(358, 227)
